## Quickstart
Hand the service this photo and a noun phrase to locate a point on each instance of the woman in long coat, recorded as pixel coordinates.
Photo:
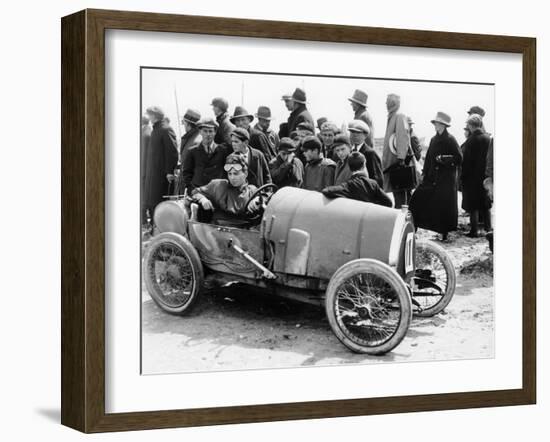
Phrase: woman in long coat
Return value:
(434, 203)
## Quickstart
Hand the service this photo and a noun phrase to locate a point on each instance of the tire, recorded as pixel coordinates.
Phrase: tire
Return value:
(173, 272)
(434, 279)
(380, 291)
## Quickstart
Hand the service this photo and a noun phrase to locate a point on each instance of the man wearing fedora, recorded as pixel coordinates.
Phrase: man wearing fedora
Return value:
(220, 107)
(358, 186)
(161, 160)
(285, 168)
(434, 203)
(191, 138)
(204, 162)
(258, 170)
(264, 121)
(359, 132)
(396, 148)
(258, 139)
(299, 112)
(359, 105)
(319, 171)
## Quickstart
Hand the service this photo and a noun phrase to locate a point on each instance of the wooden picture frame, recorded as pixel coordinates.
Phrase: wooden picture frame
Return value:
(83, 220)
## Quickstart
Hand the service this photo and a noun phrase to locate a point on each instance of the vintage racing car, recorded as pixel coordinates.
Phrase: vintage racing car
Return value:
(360, 260)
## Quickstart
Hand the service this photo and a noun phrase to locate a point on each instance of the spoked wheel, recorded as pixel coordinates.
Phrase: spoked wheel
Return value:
(368, 306)
(434, 281)
(173, 272)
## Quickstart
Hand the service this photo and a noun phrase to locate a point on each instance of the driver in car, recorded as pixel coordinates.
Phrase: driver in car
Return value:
(228, 198)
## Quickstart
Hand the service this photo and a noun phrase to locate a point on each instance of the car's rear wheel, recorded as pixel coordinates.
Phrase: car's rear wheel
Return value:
(368, 306)
(434, 281)
(173, 272)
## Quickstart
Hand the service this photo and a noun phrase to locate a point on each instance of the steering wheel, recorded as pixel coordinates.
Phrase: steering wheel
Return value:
(264, 194)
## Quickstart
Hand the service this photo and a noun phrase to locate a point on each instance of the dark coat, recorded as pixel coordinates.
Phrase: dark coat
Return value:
(189, 139)
(162, 157)
(225, 129)
(474, 163)
(297, 116)
(434, 203)
(285, 174)
(319, 174)
(201, 167)
(361, 188)
(258, 170)
(259, 141)
(342, 172)
(373, 163)
(144, 145)
(272, 139)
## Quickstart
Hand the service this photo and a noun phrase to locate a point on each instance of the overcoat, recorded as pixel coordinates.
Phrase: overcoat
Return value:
(319, 174)
(397, 124)
(188, 140)
(373, 163)
(144, 145)
(201, 167)
(474, 163)
(342, 172)
(161, 160)
(434, 203)
(225, 129)
(260, 141)
(272, 142)
(258, 169)
(297, 116)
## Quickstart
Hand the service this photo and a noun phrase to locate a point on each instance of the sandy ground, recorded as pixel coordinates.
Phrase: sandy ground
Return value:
(238, 328)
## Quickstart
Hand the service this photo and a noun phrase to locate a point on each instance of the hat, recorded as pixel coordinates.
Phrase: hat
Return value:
(299, 96)
(442, 118)
(220, 103)
(320, 122)
(192, 116)
(208, 122)
(359, 126)
(241, 134)
(356, 161)
(341, 139)
(311, 143)
(329, 125)
(477, 110)
(155, 110)
(241, 112)
(306, 125)
(237, 158)
(410, 121)
(475, 120)
(264, 113)
(286, 145)
(286, 97)
(359, 97)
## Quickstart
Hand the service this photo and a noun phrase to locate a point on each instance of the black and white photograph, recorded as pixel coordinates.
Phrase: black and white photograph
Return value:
(311, 220)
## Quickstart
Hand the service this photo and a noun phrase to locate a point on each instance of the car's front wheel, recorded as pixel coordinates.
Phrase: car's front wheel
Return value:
(173, 272)
(368, 306)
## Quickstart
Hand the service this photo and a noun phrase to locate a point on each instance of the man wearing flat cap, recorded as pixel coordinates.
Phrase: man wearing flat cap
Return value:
(319, 171)
(264, 121)
(258, 139)
(299, 112)
(258, 170)
(204, 162)
(397, 143)
(359, 105)
(342, 150)
(286, 169)
(358, 133)
(162, 158)
(359, 186)
(220, 108)
(227, 198)
(191, 138)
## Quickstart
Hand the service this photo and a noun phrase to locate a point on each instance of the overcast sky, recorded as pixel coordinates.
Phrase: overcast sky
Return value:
(326, 97)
